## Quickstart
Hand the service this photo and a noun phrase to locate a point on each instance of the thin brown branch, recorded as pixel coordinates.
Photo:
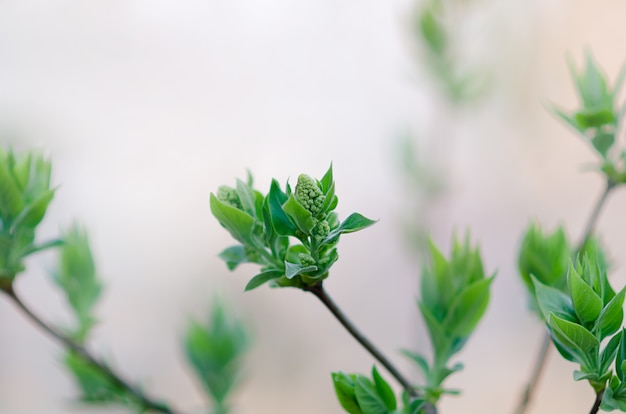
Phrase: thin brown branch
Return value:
(321, 294)
(593, 218)
(142, 399)
(597, 402)
(535, 376)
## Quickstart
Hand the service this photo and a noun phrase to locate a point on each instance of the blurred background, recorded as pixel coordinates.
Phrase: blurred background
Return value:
(145, 107)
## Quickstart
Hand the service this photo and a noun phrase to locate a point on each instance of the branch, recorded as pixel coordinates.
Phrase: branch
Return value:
(541, 357)
(535, 376)
(320, 293)
(597, 402)
(142, 399)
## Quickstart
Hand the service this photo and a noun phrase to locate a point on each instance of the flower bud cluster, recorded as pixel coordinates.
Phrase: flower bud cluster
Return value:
(309, 195)
(228, 195)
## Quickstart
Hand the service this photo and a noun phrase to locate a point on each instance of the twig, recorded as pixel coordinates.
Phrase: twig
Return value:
(536, 374)
(541, 357)
(610, 185)
(321, 294)
(145, 401)
(597, 402)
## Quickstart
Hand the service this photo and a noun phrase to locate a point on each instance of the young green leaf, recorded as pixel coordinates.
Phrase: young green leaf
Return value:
(281, 221)
(609, 352)
(234, 256)
(587, 303)
(263, 277)
(345, 391)
(294, 269)
(95, 386)
(419, 360)
(239, 224)
(299, 215)
(468, 308)
(384, 390)
(575, 338)
(247, 197)
(76, 275)
(369, 400)
(552, 300)
(327, 180)
(611, 317)
(215, 351)
(11, 201)
(353, 223)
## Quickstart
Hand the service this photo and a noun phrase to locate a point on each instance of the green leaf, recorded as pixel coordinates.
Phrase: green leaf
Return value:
(438, 337)
(294, 269)
(354, 222)
(609, 352)
(611, 317)
(384, 390)
(239, 224)
(301, 216)
(263, 277)
(412, 405)
(544, 255)
(344, 389)
(445, 372)
(575, 338)
(468, 308)
(621, 357)
(587, 303)
(247, 197)
(34, 212)
(369, 400)
(551, 300)
(95, 386)
(327, 180)
(11, 201)
(579, 376)
(215, 350)
(603, 141)
(594, 118)
(234, 256)
(21, 170)
(432, 32)
(419, 360)
(76, 275)
(276, 198)
(568, 120)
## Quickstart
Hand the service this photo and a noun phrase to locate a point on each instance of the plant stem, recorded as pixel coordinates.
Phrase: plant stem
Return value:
(541, 357)
(597, 402)
(536, 374)
(593, 218)
(143, 400)
(320, 293)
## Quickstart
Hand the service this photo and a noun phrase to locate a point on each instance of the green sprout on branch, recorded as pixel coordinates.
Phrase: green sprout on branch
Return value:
(291, 234)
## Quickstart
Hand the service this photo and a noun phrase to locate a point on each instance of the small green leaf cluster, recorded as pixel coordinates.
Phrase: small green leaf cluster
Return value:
(434, 29)
(358, 394)
(76, 276)
(266, 225)
(580, 320)
(215, 352)
(614, 397)
(546, 257)
(454, 297)
(24, 197)
(598, 118)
